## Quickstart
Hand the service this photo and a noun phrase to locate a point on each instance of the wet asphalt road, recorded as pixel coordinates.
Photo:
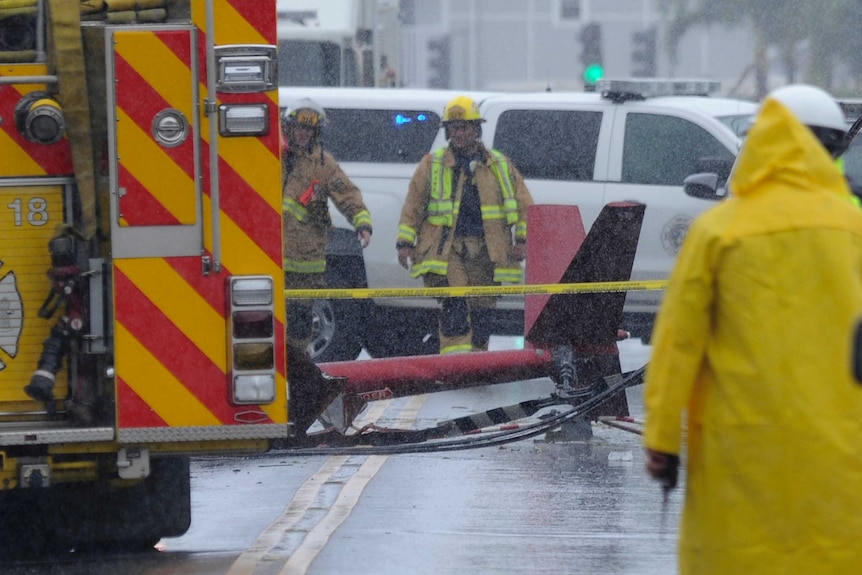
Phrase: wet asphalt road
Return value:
(529, 507)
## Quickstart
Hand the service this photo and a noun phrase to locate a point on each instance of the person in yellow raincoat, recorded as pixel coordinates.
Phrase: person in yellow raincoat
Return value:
(753, 344)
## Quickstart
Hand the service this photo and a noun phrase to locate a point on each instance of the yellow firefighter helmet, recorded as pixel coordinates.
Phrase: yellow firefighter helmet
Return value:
(461, 109)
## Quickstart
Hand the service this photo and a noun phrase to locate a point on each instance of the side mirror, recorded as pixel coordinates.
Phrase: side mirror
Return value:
(718, 165)
(856, 353)
(704, 186)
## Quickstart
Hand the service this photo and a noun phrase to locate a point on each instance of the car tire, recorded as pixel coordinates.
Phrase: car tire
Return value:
(399, 332)
(335, 328)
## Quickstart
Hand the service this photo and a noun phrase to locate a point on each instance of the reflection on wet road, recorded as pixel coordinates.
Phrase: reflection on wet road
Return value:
(528, 507)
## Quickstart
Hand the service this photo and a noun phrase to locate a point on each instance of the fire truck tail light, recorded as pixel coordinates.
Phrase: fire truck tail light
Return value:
(243, 120)
(253, 356)
(251, 291)
(245, 68)
(253, 389)
(252, 324)
(251, 340)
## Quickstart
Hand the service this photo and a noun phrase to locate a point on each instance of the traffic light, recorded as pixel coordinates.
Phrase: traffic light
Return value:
(439, 62)
(591, 54)
(644, 53)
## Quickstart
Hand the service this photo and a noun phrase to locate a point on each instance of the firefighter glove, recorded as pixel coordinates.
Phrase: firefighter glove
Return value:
(519, 251)
(405, 256)
(663, 467)
(363, 234)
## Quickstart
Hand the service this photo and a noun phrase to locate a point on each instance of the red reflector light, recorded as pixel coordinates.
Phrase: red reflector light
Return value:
(252, 324)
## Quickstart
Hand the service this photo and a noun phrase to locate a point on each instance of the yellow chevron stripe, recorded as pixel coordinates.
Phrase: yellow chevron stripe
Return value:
(240, 254)
(156, 171)
(181, 304)
(245, 155)
(231, 27)
(160, 67)
(15, 161)
(26, 70)
(169, 399)
(201, 324)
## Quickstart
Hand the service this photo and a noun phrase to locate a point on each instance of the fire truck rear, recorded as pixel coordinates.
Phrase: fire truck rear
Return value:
(140, 259)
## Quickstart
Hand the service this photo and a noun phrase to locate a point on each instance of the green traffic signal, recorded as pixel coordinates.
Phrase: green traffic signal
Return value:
(593, 73)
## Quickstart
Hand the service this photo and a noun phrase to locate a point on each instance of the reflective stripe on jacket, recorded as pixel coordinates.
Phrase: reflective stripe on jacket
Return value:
(431, 209)
(441, 208)
(315, 179)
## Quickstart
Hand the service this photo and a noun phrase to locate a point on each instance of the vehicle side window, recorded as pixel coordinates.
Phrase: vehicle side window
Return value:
(663, 150)
(550, 144)
(379, 136)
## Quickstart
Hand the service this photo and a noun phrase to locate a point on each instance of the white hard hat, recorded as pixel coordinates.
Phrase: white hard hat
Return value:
(818, 110)
(811, 105)
(305, 112)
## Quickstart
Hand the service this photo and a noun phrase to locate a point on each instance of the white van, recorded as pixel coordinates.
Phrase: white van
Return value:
(588, 149)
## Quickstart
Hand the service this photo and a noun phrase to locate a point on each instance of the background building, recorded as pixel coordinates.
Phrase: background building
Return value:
(540, 44)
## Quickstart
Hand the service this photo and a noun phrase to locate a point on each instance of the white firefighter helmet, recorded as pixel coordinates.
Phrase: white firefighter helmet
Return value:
(818, 110)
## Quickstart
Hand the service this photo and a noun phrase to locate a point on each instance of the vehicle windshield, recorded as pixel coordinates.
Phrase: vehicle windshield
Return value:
(398, 136)
(739, 123)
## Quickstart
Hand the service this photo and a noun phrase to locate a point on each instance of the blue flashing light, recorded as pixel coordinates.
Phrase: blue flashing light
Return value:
(421, 117)
(401, 119)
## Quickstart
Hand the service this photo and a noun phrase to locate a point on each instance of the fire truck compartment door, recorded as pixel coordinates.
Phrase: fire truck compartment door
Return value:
(28, 216)
(154, 148)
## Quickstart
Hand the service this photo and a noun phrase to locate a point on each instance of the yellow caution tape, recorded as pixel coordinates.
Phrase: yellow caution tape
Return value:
(551, 289)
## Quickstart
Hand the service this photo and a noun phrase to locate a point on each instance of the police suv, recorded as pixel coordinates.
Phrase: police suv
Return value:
(631, 140)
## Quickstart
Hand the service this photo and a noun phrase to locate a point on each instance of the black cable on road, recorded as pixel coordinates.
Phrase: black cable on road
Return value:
(490, 439)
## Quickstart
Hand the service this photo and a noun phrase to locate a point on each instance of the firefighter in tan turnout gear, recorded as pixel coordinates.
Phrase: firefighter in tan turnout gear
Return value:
(464, 223)
(311, 178)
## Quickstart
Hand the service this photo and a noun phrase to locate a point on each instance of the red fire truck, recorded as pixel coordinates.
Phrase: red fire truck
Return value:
(139, 168)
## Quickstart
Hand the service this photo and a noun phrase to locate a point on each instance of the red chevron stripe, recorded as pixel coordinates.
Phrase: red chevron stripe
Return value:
(142, 102)
(173, 348)
(212, 289)
(263, 20)
(179, 44)
(132, 411)
(55, 159)
(257, 219)
(139, 207)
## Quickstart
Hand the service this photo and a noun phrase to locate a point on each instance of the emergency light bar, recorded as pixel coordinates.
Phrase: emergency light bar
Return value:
(639, 89)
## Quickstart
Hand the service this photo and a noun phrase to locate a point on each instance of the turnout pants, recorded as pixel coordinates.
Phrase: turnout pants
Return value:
(465, 321)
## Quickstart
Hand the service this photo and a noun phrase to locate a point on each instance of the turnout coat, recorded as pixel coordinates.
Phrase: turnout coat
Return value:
(753, 340)
(315, 179)
(503, 222)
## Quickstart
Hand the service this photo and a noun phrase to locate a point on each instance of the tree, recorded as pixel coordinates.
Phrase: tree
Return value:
(785, 24)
